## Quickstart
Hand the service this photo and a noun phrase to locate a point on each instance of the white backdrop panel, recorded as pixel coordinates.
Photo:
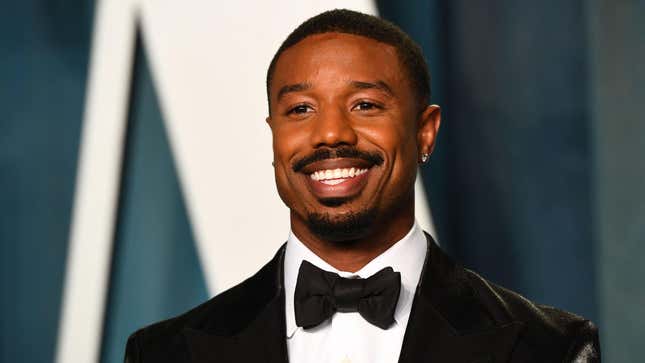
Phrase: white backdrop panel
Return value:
(209, 60)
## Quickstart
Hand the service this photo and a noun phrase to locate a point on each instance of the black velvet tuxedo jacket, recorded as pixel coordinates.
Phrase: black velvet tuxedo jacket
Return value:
(456, 316)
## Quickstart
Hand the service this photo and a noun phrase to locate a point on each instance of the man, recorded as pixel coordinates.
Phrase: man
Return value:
(357, 280)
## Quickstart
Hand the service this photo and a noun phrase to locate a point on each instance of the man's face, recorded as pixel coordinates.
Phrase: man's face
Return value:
(346, 132)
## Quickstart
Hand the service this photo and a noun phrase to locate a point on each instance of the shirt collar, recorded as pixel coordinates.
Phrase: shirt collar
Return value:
(405, 256)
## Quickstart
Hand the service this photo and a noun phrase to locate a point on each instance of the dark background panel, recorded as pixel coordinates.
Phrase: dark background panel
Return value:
(537, 177)
(618, 95)
(510, 181)
(44, 53)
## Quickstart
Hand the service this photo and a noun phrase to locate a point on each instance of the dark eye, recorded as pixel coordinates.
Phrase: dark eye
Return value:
(299, 109)
(365, 106)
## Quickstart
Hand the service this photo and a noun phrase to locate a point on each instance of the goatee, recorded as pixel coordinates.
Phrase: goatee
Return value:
(346, 228)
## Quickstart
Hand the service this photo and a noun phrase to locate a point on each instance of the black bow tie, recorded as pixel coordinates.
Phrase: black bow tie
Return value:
(319, 294)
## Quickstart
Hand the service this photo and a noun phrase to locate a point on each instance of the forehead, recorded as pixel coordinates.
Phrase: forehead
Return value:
(337, 56)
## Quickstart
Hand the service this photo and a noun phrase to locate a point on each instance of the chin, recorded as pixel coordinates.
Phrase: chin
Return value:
(345, 227)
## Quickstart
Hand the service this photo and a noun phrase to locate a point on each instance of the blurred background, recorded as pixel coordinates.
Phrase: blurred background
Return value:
(123, 124)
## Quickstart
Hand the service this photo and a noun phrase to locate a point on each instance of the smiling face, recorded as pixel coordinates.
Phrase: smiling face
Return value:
(348, 131)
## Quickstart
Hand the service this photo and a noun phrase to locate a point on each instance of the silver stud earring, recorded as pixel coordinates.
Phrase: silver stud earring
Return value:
(425, 157)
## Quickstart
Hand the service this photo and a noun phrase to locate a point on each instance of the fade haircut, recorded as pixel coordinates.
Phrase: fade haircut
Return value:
(355, 23)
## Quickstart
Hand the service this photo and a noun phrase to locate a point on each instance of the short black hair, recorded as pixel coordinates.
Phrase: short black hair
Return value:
(353, 22)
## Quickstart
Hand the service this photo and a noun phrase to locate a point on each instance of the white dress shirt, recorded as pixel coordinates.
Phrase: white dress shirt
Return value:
(347, 337)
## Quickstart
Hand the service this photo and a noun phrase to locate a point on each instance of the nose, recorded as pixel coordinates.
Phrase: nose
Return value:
(333, 128)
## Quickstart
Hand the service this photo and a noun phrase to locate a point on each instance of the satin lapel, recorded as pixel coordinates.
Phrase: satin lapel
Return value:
(248, 325)
(430, 338)
(450, 323)
(262, 341)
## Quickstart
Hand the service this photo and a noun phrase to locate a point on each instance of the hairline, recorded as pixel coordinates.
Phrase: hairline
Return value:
(422, 98)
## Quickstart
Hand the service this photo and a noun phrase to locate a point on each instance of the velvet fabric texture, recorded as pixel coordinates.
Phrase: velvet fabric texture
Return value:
(457, 316)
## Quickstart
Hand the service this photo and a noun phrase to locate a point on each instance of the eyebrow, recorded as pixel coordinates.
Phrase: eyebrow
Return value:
(297, 87)
(378, 84)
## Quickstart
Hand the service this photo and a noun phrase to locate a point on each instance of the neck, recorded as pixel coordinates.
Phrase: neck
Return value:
(352, 255)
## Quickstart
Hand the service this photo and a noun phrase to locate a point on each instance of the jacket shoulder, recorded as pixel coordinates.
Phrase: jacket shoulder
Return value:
(225, 314)
(569, 337)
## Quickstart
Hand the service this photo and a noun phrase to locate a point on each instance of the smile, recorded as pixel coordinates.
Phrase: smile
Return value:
(337, 182)
(336, 176)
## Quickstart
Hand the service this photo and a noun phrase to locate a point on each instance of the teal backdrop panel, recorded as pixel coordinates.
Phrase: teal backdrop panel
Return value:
(156, 273)
(510, 183)
(44, 51)
(618, 53)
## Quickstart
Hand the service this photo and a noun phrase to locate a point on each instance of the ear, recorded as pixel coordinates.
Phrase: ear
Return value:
(429, 122)
(268, 121)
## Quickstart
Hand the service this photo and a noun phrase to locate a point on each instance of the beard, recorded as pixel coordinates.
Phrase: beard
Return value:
(345, 228)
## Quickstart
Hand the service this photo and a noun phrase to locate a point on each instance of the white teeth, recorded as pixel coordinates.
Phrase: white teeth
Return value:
(332, 182)
(336, 176)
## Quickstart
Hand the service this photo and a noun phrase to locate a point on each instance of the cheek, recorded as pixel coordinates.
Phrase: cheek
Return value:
(392, 138)
(399, 143)
(285, 191)
(287, 141)
(407, 154)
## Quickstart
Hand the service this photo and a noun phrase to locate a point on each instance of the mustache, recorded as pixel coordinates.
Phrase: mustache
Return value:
(372, 157)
